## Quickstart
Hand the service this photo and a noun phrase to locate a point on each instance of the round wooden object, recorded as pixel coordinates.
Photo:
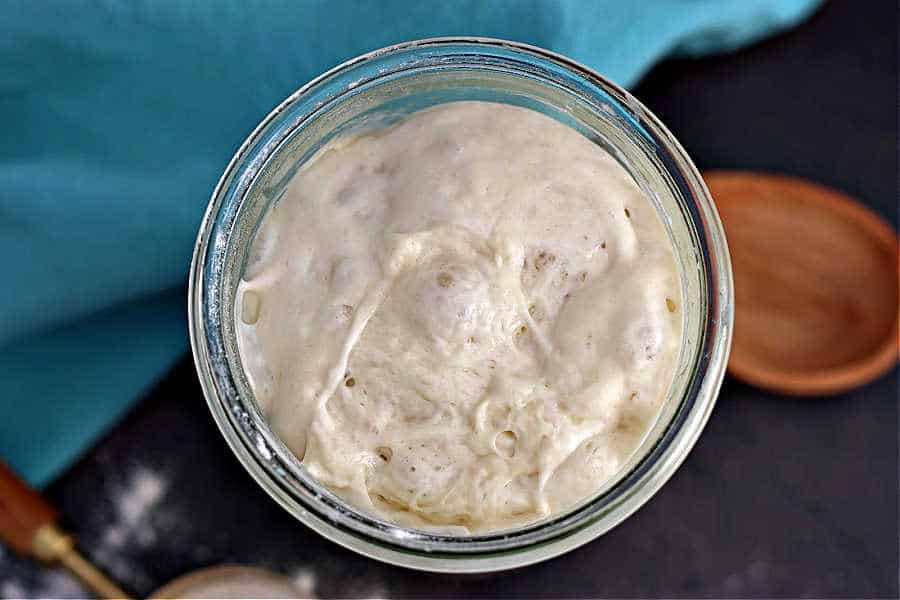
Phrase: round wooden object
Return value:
(816, 284)
(228, 582)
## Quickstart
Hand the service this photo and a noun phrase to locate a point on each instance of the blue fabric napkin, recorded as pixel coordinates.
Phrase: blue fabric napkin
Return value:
(119, 117)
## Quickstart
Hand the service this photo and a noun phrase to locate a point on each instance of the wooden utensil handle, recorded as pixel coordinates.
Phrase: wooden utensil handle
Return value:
(22, 511)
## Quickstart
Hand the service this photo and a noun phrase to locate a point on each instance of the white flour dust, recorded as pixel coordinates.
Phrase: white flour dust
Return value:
(135, 508)
(307, 582)
(132, 504)
(305, 579)
(52, 583)
(12, 589)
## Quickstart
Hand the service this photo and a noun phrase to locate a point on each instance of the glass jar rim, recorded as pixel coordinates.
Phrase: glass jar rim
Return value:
(279, 472)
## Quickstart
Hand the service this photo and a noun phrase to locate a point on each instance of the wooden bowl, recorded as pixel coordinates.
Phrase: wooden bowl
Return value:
(816, 284)
(228, 582)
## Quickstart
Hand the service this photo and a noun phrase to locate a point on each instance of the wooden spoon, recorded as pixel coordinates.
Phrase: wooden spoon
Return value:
(28, 526)
(816, 284)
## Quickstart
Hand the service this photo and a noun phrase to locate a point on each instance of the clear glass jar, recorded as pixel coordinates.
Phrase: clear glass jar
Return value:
(376, 90)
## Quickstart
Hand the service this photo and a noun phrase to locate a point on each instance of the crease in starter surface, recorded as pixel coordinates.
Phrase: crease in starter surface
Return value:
(477, 271)
(371, 303)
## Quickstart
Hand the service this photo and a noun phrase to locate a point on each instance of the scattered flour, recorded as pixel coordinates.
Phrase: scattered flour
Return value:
(376, 593)
(134, 506)
(12, 589)
(755, 581)
(50, 583)
(304, 579)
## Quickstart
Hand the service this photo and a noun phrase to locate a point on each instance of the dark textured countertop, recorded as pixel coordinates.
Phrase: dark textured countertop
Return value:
(780, 498)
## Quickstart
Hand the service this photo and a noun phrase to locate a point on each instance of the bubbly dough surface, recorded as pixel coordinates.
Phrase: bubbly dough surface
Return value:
(465, 322)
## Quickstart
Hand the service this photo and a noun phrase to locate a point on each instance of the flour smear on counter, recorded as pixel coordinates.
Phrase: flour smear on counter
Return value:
(465, 322)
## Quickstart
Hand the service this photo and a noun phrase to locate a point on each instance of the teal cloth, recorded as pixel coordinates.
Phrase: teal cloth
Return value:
(119, 117)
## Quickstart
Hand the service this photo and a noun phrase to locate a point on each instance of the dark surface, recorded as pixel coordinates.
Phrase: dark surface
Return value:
(780, 498)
